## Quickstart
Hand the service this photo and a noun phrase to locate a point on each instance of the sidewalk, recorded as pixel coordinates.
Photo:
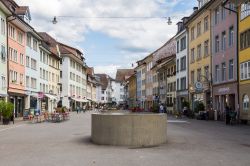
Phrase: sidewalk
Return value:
(18, 121)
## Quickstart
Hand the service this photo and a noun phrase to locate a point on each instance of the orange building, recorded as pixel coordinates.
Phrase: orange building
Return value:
(17, 27)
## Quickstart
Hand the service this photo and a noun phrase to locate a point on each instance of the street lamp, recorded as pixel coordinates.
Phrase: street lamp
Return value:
(169, 21)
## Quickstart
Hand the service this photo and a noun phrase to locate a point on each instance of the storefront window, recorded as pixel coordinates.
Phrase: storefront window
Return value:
(245, 103)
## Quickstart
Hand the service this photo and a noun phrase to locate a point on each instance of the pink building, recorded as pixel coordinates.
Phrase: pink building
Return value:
(224, 59)
(17, 28)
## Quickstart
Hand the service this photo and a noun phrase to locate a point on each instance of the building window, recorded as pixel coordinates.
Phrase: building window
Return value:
(27, 81)
(183, 43)
(198, 75)
(206, 72)
(27, 61)
(192, 55)
(34, 45)
(10, 53)
(245, 40)
(20, 37)
(244, 10)
(183, 63)
(231, 36)
(12, 32)
(21, 79)
(206, 48)
(223, 13)
(3, 53)
(177, 84)
(192, 77)
(241, 71)
(2, 26)
(223, 41)
(183, 83)
(231, 69)
(33, 64)
(206, 24)
(199, 29)
(245, 70)
(217, 73)
(33, 83)
(223, 72)
(178, 45)
(231, 6)
(217, 44)
(21, 59)
(13, 76)
(199, 52)
(216, 16)
(245, 103)
(192, 33)
(177, 66)
(29, 40)
(3, 83)
(15, 56)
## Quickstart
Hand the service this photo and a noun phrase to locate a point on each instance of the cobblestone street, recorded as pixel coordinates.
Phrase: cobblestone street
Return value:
(190, 142)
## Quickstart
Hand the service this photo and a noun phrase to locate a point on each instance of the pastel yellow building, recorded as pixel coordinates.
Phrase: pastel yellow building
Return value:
(199, 55)
(132, 91)
(244, 59)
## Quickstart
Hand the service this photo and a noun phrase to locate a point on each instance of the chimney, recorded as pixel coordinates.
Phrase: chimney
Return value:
(195, 9)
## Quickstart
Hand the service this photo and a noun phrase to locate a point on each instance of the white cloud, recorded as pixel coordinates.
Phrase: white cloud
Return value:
(108, 69)
(137, 34)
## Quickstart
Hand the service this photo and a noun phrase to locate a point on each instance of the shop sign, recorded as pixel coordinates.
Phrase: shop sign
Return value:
(224, 90)
(198, 87)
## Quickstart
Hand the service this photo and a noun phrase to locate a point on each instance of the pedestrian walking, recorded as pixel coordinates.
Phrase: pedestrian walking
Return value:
(161, 108)
(77, 109)
(227, 112)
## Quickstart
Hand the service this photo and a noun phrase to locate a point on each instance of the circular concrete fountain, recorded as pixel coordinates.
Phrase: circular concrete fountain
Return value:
(129, 129)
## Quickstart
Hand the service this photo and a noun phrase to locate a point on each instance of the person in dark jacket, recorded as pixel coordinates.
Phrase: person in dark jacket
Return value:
(227, 112)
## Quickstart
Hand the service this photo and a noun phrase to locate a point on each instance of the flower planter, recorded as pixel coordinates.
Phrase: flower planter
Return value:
(6, 121)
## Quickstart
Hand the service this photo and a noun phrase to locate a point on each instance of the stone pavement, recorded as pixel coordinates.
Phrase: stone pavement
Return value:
(190, 142)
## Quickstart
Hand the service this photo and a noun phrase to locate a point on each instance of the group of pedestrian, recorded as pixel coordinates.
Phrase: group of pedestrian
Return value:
(78, 109)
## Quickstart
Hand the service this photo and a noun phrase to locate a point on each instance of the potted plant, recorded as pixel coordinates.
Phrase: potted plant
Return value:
(7, 112)
(199, 108)
(1, 108)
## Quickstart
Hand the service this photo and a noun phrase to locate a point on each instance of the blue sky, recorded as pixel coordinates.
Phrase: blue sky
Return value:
(109, 44)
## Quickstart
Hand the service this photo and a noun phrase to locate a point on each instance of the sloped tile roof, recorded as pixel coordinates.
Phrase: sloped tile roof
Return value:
(122, 74)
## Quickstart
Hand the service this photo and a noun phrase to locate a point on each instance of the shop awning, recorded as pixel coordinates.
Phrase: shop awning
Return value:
(80, 100)
(89, 99)
(52, 97)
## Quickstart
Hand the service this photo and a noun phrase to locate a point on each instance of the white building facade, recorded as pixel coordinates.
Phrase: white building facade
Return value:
(49, 80)
(73, 78)
(4, 12)
(32, 70)
(117, 92)
(181, 65)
